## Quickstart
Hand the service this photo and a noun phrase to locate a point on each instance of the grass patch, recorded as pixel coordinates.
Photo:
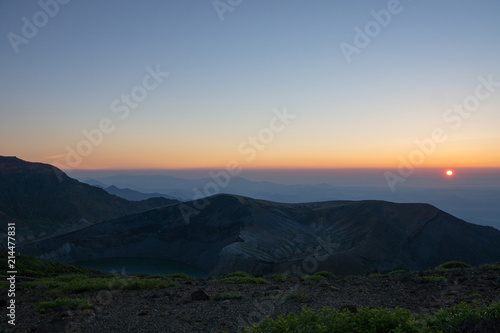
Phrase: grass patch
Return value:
(73, 303)
(452, 319)
(238, 274)
(452, 265)
(227, 295)
(150, 284)
(378, 320)
(493, 267)
(37, 268)
(312, 278)
(297, 297)
(279, 277)
(79, 283)
(431, 278)
(241, 280)
(326, 274)
(180, 277)
(398, 272)
(332, 320)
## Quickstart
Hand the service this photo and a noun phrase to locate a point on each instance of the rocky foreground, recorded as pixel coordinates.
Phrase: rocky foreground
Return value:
(208, 306)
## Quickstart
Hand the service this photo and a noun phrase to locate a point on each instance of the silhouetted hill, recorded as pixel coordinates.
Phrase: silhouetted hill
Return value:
(43, 200)
(132, 195)
(228, 233)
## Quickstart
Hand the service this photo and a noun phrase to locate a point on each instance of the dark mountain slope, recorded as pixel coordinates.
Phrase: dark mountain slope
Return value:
(43, 200)
(227, 233)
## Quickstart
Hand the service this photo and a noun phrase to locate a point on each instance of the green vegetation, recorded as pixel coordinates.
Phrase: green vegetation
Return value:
(378, 320)
(279, 277)
(434, 278)
(493, 267)
(37, 268)
(452, 265)
(318, 276)
(243, 274)
(73, 303)
(78, 283)
(227, 295)
(398, 272)
(312, 278)
(327, 320)
(451, 319)
(326, 274)
(179, 277)
(297, 297)
(241, 280)
(238, 274)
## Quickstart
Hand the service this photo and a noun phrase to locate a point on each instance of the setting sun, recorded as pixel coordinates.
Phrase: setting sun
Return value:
(449, 173)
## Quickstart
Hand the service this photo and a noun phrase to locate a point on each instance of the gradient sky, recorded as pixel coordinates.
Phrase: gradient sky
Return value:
(226, 78)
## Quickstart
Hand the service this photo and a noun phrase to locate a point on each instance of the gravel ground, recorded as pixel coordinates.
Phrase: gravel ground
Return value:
(176, 309)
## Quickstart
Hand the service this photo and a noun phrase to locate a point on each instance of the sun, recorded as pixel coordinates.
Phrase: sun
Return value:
(449, 173)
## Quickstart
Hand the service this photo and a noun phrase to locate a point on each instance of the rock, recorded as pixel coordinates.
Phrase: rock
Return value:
(332, 288)
(88, 312)
(323, 284)
(66, 314)
(199, 295)
(415, 279)
(186, 318)
(143, 313)
(270, 288)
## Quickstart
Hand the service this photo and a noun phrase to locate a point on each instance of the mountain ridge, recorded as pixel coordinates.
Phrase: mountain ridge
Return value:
(226, 233)
(43, 200)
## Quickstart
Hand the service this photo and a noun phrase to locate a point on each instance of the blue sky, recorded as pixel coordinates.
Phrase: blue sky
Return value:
(226, 77)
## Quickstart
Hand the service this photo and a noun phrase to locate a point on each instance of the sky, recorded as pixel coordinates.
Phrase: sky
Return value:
(263, 84)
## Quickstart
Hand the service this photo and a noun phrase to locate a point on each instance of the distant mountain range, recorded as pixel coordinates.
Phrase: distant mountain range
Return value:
(132, 195)
(44, 201)
(473, 204)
